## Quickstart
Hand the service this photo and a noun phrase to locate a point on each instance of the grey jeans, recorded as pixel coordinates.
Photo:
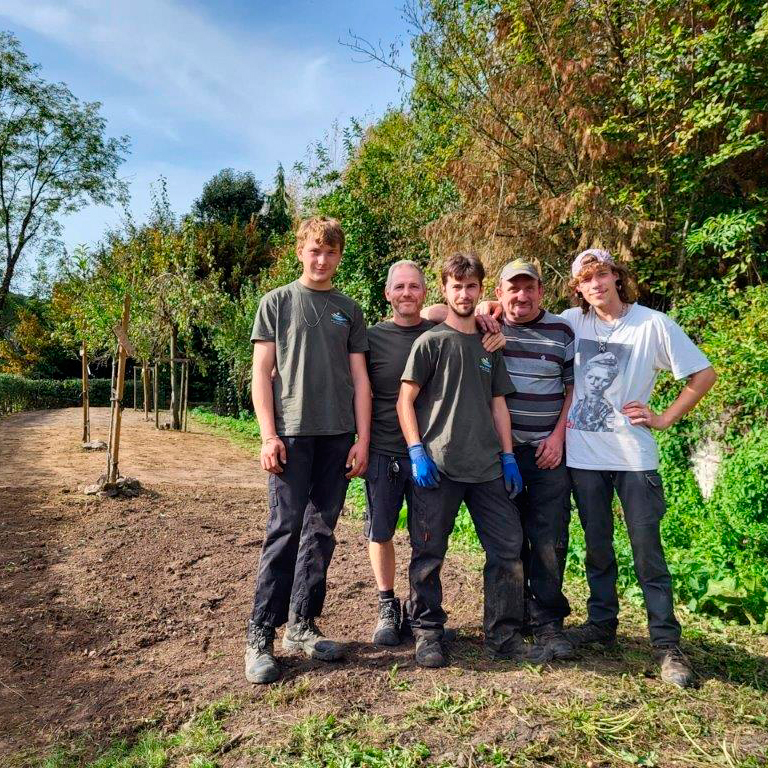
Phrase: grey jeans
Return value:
(642, 500)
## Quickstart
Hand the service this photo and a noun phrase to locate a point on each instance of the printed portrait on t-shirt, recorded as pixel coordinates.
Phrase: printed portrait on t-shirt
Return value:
(596, 373)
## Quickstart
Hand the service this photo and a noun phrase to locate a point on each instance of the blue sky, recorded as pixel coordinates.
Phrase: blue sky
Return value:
(200, 86)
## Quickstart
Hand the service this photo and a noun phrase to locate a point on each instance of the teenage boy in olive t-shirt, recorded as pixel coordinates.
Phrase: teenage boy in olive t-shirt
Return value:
(455, 421)
(314, 339)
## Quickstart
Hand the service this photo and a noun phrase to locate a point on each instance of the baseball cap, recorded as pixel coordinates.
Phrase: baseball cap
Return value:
(519, 267)
(591, 255)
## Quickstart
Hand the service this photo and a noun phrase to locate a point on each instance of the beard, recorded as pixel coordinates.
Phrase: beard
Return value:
(465, 311)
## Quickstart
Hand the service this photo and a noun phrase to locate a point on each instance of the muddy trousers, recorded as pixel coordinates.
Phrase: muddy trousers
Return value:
(304, 506)
(642, 501)
(497, 523)
(545, 511)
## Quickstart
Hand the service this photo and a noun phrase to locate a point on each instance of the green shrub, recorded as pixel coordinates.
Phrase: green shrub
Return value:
(20, 394)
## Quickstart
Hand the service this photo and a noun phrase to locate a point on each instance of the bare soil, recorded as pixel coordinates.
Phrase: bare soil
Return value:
(118, 610)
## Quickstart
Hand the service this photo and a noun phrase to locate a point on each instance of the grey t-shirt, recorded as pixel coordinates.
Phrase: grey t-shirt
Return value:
(389, 347)
(458, 381)
(314, 333)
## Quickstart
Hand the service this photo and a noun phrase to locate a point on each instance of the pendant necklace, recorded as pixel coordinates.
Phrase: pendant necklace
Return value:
(602, 343)
(318, 317)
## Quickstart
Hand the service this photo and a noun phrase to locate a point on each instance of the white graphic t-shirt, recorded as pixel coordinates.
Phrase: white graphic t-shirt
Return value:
(613, 366)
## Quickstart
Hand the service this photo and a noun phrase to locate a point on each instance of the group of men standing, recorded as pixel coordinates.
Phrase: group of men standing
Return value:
(449, 406)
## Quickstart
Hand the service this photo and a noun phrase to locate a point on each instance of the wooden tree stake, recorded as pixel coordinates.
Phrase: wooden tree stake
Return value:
(114, 441)
(156, 394)
(86, 415)
(145, 387)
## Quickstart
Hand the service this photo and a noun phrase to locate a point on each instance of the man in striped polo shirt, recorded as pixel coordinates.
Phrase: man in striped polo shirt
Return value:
(539, 359)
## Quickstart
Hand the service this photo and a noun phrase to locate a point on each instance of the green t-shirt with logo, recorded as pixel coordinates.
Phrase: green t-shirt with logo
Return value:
(314, 333)
(389, 347)
(458, 380)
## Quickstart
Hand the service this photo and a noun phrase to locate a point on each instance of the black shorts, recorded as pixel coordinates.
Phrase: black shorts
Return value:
(387, 484)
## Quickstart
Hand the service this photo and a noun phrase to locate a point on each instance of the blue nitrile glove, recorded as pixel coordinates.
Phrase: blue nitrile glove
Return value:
(423, 469)
(513, 480)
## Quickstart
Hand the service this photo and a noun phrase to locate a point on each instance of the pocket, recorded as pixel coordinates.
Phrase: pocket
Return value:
(272, 487)
(656, 493)
(372, 473)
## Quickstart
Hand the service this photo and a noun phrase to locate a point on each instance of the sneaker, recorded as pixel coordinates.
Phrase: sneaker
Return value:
(305, 636)
(675, 667)
(260, 663)
(429, 652)
(588, 634)
(552, 637)
(387, 630)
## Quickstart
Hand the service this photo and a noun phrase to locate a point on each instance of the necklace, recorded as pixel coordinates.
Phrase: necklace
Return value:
(602, 343)
(318, 317)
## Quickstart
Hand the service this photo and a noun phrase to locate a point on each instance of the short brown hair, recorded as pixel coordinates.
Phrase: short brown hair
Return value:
(461, 266)
(325, 229)
(626, 284)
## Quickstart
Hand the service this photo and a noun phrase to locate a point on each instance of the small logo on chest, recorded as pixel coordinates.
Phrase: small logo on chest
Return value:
(485, 364)
(339, 318)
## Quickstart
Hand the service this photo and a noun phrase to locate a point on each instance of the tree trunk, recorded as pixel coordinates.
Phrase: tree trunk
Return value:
(156, 393)
(5, 288)
(175, 423)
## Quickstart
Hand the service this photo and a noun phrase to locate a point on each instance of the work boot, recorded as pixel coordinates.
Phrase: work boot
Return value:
(675, 667)
(552, 637)
(429, 652)
(387, 630)
(406, 630)
(260, 664)
(305, 636)
(516, 649)
(590, 634)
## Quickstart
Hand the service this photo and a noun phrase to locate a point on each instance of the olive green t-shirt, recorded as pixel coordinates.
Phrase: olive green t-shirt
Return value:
(389, 347)
(314, 333)
(458, 381)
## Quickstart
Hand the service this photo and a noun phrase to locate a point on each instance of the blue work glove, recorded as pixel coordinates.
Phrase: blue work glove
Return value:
(423, 469)
(513, 480)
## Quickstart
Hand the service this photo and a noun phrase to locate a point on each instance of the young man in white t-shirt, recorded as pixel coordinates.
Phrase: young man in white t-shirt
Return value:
(620, 348)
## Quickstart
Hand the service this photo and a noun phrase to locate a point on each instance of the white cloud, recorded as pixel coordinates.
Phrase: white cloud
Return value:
(188, 65)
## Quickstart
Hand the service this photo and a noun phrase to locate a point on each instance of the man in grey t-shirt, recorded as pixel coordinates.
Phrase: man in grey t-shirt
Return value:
(314, 339)
(456, 424)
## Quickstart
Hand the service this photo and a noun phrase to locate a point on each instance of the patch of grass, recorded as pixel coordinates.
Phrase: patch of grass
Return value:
(283, 694)
(395, 682)
(242, 430)
(329, 742)
(197, 744)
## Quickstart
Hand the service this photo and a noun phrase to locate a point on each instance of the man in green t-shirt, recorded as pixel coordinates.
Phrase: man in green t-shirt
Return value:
(388, 479)
(454, 417)
(313, 338)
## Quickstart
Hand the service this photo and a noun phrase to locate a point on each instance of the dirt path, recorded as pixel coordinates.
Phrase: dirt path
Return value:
(115, 611)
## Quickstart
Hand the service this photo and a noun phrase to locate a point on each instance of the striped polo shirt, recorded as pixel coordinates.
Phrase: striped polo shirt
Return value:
(539, 360)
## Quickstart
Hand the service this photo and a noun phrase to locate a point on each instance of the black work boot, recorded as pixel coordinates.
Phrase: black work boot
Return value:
(675, 667)
(429, 652)
(303, 635)
(260, 664)
(589, 634)
(552, 637)
(387, 630)
(512, 649)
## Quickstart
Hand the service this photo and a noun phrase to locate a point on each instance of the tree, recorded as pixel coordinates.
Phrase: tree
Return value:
(54, 157)
(229, 195)
(278, 218)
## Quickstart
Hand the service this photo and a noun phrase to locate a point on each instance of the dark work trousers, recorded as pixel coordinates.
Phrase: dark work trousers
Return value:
(304, 505)
(642, 500)
(545, 505)
(497, 523)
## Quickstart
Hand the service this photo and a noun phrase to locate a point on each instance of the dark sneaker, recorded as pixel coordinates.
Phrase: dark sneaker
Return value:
(305, 636)
(590, 634)
(387, 630)
(260, 664)
(675, 667)
(552, 637)
(429, 652)
(516, 649)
